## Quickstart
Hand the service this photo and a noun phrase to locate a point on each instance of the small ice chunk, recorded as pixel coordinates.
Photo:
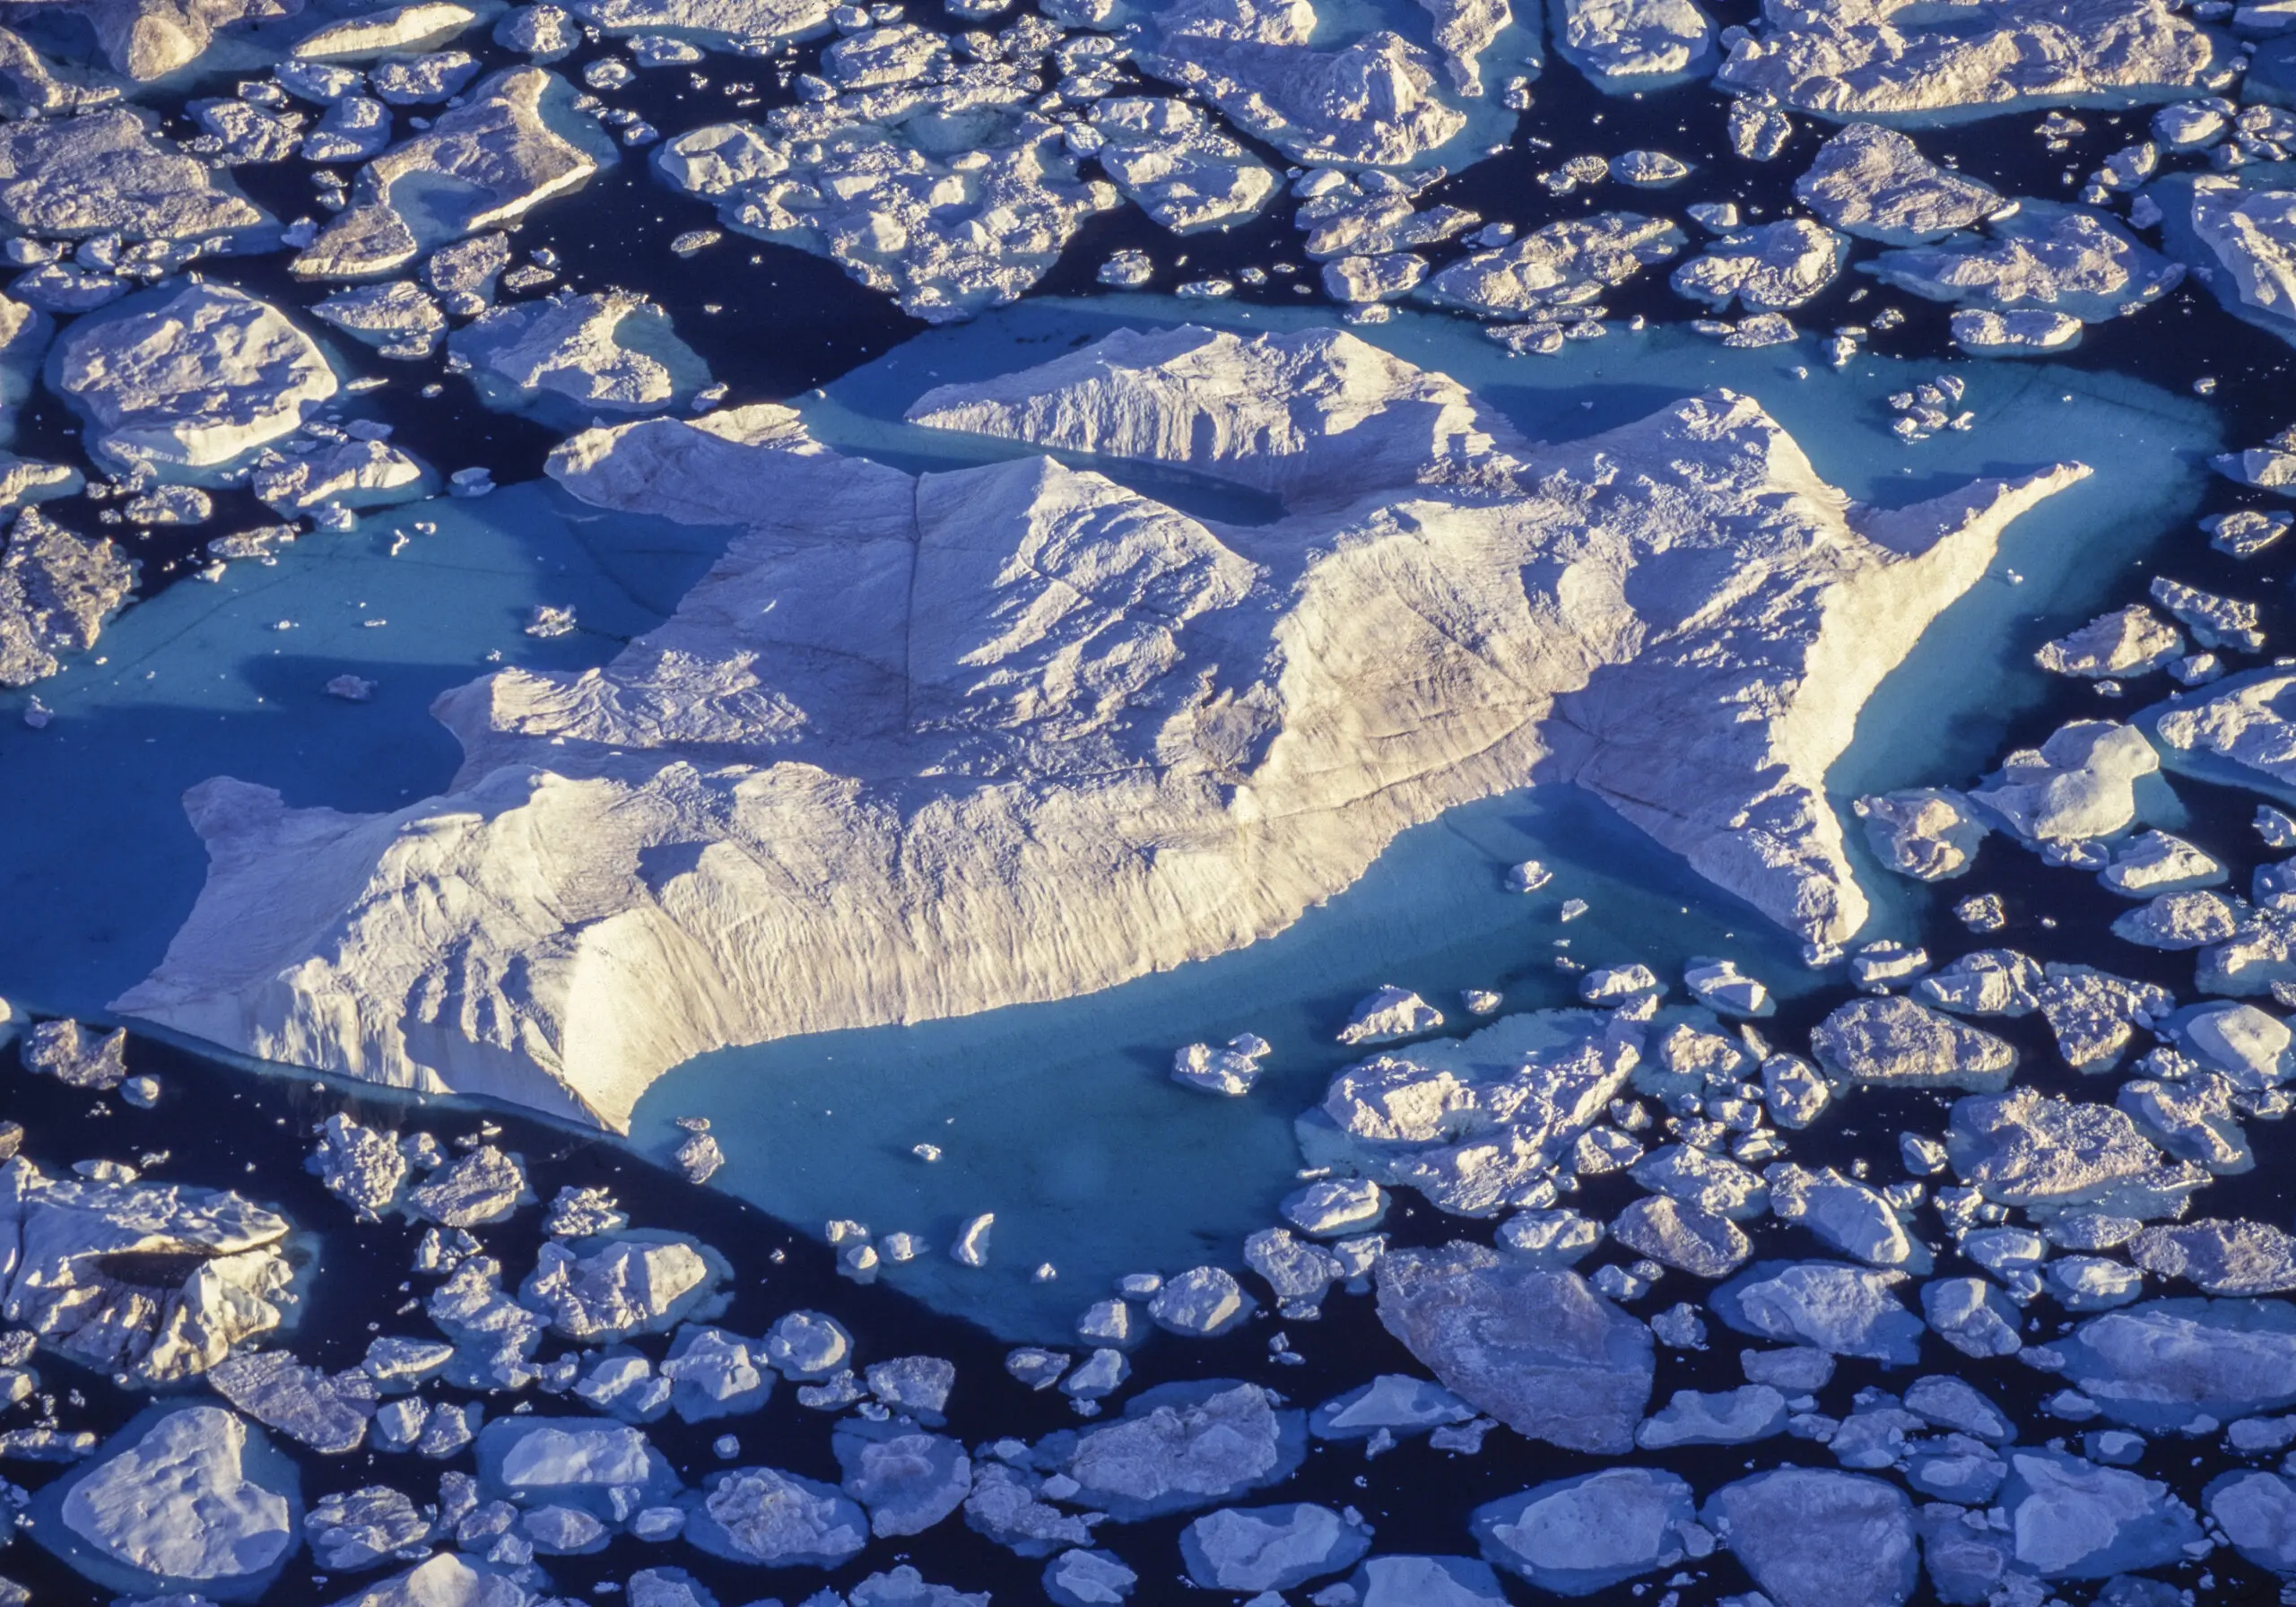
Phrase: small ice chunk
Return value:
(1388, 1014)
(1231, 1070)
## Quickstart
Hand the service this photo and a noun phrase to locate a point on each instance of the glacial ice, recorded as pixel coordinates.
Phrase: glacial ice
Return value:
(1894, 1042)
(768, 1518)
(1842, 1310)
(1134, 396)
(182, 1497)
(1816, 1537)
(1928, 833)
(1538, 1349)
(2163, 1364)
(57, 590)
(1861, 61)
(1765, 268)
(1177, 167)
(1874, 183)
(2129, 641)
(2044, 256)
(949, 210)
(1555, 268)
(190, 380)
(1269, 1548)
(1633, 39)
(513, 143)
(1375, 101)
(1579, 1535)
(328, 1413)
(2070, 1518)
(112, 170)
(1183, 1446)
(58, 1289)
(2079, 785)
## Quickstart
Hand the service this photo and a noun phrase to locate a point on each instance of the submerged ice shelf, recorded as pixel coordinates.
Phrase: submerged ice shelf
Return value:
(1052, 1169)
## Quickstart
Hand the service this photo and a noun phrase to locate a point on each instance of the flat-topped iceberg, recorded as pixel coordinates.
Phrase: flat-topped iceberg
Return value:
(798, 806)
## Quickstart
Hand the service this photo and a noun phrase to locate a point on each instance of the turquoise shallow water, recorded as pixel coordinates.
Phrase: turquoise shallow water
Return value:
(1058, 1117)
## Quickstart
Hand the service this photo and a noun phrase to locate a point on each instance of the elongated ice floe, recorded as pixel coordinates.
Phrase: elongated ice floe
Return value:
(1121, 738)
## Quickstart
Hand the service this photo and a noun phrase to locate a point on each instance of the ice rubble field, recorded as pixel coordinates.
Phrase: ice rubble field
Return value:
(1074, 1086)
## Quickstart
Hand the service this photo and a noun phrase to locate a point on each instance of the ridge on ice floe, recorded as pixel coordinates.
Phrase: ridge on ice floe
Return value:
(1122, 737)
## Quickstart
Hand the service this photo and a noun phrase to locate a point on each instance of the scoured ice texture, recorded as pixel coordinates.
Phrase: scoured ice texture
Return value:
(782, 903)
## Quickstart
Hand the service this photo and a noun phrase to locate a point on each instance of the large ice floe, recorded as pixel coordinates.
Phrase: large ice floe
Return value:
(1122, 738)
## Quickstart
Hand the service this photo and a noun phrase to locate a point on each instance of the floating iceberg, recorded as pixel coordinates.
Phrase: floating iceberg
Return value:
(755, 714)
